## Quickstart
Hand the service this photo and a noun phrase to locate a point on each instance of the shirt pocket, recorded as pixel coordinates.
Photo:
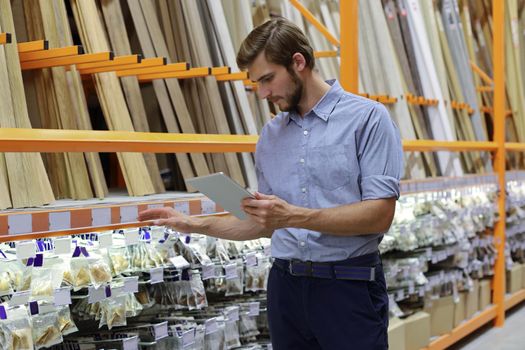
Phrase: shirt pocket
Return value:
(329, 167)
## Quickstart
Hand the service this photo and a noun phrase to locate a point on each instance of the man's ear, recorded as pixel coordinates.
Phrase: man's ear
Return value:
(299, 61)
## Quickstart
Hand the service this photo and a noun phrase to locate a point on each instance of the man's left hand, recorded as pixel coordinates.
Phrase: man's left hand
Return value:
(268, 211)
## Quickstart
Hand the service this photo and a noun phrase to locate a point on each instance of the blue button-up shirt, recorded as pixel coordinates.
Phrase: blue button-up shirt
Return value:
(345, 150)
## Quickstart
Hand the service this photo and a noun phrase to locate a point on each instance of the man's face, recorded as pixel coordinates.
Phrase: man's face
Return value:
(279, 85)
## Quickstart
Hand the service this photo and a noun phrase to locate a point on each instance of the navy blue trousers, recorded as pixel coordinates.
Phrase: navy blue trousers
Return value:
(313, 313)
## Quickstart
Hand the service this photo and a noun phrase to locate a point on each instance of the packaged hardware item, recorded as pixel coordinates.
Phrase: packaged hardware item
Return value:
(113, 312)
(119, 257)
(99, 271)
(65, 322)
(80, 275)
(17, 330)
(46, 330)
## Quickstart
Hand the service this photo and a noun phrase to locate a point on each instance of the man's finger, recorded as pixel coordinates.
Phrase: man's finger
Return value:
(260, 195)
(161, 222)
(150, 214)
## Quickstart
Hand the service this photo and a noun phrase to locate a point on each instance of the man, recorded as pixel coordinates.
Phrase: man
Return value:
(328, 168)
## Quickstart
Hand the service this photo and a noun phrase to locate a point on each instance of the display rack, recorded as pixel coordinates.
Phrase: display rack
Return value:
(43, 221)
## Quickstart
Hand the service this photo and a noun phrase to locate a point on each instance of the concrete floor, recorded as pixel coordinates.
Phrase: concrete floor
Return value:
(509, 337)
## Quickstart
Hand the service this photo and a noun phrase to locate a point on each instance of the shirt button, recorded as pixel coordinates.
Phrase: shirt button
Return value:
(305, 132)
(303, 189)
(302, 160)
(302, 244)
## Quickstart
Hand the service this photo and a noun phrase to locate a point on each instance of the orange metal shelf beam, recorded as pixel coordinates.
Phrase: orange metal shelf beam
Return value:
(484, 76)
(191, 73)
(5, 38)
(31, 46)
(51, 53)
(315, 22)
(324, 54)
(514, 146)
(67, 61)
(108, 66)
(455, 146)
(45, 140)
(157, 69)
(144, 63)
(233, 76)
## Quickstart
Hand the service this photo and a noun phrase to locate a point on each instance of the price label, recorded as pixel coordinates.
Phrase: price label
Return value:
(251, 259)
(20, 298)
(130, 343)
(25, 249)
(208, 207)
(62, 296)
(188, 338)
(105, 240)
(131, 284)
(232, 314)
(129, 213)
(160, 330)
(208, 271)
(231, 271)
(400, 295)
(156, 275)
(96, 295)
(255, 308)
(183, 207)
(411, 289)
(211, 325)
(131, 236)
(179, 262)
(62, 245)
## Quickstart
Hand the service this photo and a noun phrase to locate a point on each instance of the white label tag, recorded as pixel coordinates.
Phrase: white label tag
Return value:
(231, 271)
(105, 240)
(411, 289)
(96, 295)
(161, 330)
(232, 314)
(101, 216)
(156, 275)
(255, 309)
(62, 296)
(188, 338)
(131, 236)
(20, 298)
(400, 295)
(25, 249)
(179, 262)
(19, 223)
(62, 245)
(130, 343)
(211, 325)
(182, 207)
(129, 213)
(208, 271)
(155, 206)
(59, 220)
(268, 250)
(157, 233)
(208, 207)
(131, 284)
(251, 259)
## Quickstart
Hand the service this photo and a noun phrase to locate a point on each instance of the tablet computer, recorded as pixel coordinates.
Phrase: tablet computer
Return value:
(222, 190)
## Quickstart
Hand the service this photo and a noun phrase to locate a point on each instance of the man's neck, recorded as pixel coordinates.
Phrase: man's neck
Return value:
(314, 89)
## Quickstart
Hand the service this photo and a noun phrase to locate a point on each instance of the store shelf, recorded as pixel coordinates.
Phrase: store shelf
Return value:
(475, 323)
(73, 217)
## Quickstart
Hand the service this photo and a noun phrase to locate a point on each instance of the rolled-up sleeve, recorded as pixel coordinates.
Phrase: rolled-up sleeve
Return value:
(380, 155)
(262, 184)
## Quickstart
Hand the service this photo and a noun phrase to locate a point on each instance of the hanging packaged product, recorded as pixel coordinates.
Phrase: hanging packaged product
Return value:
(99, 270)
(65, 322)
(80, 274)
(120, 260)
(113, 312)
(46, 330)
(44, 281)
(17, 330)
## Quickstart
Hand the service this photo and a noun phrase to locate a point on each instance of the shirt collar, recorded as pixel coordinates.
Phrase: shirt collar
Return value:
(323, 107)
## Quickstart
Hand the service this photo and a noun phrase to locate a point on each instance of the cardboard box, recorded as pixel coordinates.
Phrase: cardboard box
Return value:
(460, 309)
(485, 294)
(396, 334)
(417, 331)
(441, 316)
(514, 279)
(472, 300)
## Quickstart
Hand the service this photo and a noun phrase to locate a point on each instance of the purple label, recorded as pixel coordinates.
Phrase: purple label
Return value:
(108, 291)
(33, 307)
(39, 260)
(30, 261)
(3, 314)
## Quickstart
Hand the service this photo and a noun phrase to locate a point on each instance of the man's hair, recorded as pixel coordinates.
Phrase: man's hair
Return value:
(280, 39)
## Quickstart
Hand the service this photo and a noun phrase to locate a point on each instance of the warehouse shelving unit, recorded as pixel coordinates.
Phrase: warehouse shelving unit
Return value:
(74, 220)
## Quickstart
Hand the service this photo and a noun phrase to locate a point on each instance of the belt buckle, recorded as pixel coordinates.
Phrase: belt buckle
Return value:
(290, 268)
(308, 272)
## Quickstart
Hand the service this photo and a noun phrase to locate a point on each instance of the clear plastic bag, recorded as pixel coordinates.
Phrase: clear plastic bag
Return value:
(80, 275)
(99, 271)
(65, 322)
(119, 257)
(46, 330)
(19, 325)
(113, 312)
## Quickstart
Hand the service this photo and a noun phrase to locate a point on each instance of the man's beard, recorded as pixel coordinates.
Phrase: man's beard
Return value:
(294, 98)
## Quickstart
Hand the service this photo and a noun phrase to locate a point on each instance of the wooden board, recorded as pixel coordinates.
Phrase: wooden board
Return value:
(111, 97)
(28, 180)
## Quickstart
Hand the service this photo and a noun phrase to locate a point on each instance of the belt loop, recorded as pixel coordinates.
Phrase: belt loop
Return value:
(372, 273)
(309, 269)
(290, 267)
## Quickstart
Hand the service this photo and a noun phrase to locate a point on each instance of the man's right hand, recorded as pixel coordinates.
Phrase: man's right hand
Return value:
(170, 217)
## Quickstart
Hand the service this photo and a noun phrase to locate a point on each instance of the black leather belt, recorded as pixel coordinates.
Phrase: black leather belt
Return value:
(361, 268)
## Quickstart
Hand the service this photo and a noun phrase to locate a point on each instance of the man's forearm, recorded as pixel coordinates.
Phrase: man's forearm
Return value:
(229, 227)
(367, 217)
